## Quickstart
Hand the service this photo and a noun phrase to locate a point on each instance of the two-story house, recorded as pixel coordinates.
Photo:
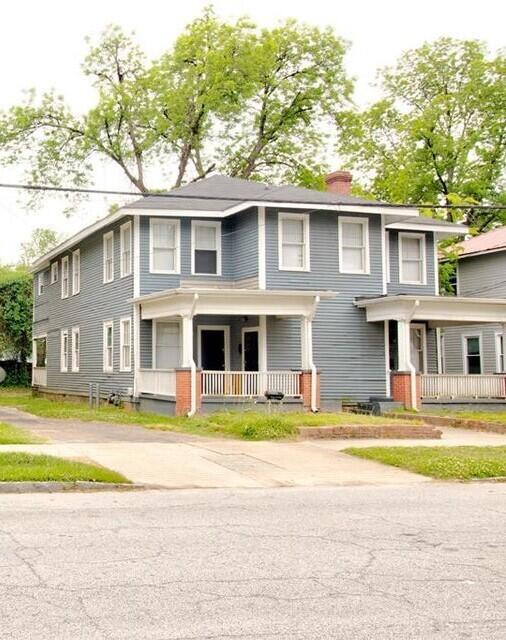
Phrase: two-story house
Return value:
(215, 292)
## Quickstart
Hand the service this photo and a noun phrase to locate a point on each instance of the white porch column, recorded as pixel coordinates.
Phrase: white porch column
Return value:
(187, 341)
(262, 343)
(504, 347)
(306, 336)
(403, 345)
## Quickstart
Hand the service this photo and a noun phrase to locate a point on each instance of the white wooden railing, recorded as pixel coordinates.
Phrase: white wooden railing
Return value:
(250, 383)
(39, 376)
(160, 382)
(463, 386)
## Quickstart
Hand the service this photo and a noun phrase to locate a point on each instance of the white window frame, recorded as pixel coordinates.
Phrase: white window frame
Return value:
(300, 217)
(367, 261)
(106, 325)
(177, 239)
(42, 336)
(64, 353)
(76, 282)
(122, 365)
(40, 283)
(387, 257)
(76, 353)
(54, 272)
(106, 237)
(498, 351)
(65, 290)
(154, 339)
(210, 224)
(123, 249)
(225, 328)
(423, 250)
(475, 334)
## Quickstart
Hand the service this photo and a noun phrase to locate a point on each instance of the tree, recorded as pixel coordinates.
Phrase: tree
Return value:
(438, 135)
(226, 96)
(16, 318)
(42, 241)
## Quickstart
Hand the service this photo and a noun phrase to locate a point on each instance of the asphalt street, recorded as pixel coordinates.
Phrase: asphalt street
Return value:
(413, 561)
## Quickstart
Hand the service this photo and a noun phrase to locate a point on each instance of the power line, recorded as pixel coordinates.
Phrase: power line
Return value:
(151, 194)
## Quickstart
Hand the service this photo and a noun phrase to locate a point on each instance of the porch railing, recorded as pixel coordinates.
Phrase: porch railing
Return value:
(160, 382)
(463, 386)
(39, 376)
(250, 383)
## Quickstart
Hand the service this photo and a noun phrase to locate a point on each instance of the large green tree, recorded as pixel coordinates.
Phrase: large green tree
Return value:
(229, 96)
(438, 133)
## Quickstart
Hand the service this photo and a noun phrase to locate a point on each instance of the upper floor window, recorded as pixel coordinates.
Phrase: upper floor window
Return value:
(412, 267)
(206, 248)
(354, 245)
(164, 246)
(41, 280)
(293, 239)
(65, 277)
(126, 249)
(125, 338)
(109, 257)
(108, 346)
(76, 272)
(64, 351)
(76, 348)
(54, 272)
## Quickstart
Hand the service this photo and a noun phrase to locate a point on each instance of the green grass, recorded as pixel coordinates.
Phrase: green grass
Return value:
(498, 417)
(14, 435)
(248, 424)
(18, 467)
(445, 463)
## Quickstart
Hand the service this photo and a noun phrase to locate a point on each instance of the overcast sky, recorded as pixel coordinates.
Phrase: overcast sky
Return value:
(42, 45)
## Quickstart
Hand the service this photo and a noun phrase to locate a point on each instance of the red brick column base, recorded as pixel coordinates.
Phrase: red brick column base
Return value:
(401, 389)
(183, 391)
(305, 389)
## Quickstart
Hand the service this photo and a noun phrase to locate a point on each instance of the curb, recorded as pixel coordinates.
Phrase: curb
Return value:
(400, 432)
(79, 485)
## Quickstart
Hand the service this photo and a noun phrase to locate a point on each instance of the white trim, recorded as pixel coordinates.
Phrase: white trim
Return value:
(436, 264)
(262, 278)
(122, 366)
(177, 245)
(386, 334)
(75, 365)
(213, 224)
(154, 329)
(365, 237)
(105, 325)
(65, 263)
(54, 272)
(40, 336)
(214, 327)
(76, 258)
(387, 257)
(441, 230)
(499, 358)
(471, 334)
(122, 230)
(304, 218)
(250, 330)
(105, 238)
(136, 312)
(137, 256)
(262, 343)
(423, 256)
(423, 327)
(64, 353)
(40, 283)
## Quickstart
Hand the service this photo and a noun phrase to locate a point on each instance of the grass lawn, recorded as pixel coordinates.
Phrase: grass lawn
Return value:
(498, 417)
(16, 467)
(14, 435)
(459, 463)
(248, 424)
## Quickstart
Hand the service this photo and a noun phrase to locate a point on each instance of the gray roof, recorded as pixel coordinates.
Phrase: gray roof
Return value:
(434, 222)
(218, 193)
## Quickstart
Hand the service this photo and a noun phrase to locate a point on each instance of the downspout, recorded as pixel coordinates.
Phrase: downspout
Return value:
(411, 366)
(312, 366)
(193, 366)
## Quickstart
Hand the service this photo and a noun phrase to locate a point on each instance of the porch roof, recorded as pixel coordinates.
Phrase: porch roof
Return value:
(438, 311)
(214, 301)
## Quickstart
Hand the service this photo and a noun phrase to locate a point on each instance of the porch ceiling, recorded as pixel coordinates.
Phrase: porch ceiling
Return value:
(191, 302)
(438, 311)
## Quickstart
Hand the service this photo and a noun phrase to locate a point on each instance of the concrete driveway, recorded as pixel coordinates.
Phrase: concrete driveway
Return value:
(180, 461)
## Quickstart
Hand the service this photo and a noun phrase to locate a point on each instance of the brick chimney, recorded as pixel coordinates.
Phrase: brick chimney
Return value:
(339, 182)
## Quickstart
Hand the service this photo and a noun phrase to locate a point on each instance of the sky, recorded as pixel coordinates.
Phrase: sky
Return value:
(42, 45)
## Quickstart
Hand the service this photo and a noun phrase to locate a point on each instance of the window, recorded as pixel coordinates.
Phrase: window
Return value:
(64, 351)
(76, 348)
(472, 354)
(164, 246)
(353, 245)
(293, 239)
(65, 277)
(40, 351)
(206, 248)
(125, 339)
(126, 249)
(108, 257)
(108, 346)
(41, 279)
(499, 352)
(76, 272)
(387, 256)
(412, 258)
(54, 272)
(167, 345)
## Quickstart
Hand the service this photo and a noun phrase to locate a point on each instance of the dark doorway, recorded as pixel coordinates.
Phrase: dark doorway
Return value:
(250, 350)
(212, 349)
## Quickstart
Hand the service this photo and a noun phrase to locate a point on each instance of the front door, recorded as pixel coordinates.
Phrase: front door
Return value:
(213, 356)
(250, 349)
(418, 342)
